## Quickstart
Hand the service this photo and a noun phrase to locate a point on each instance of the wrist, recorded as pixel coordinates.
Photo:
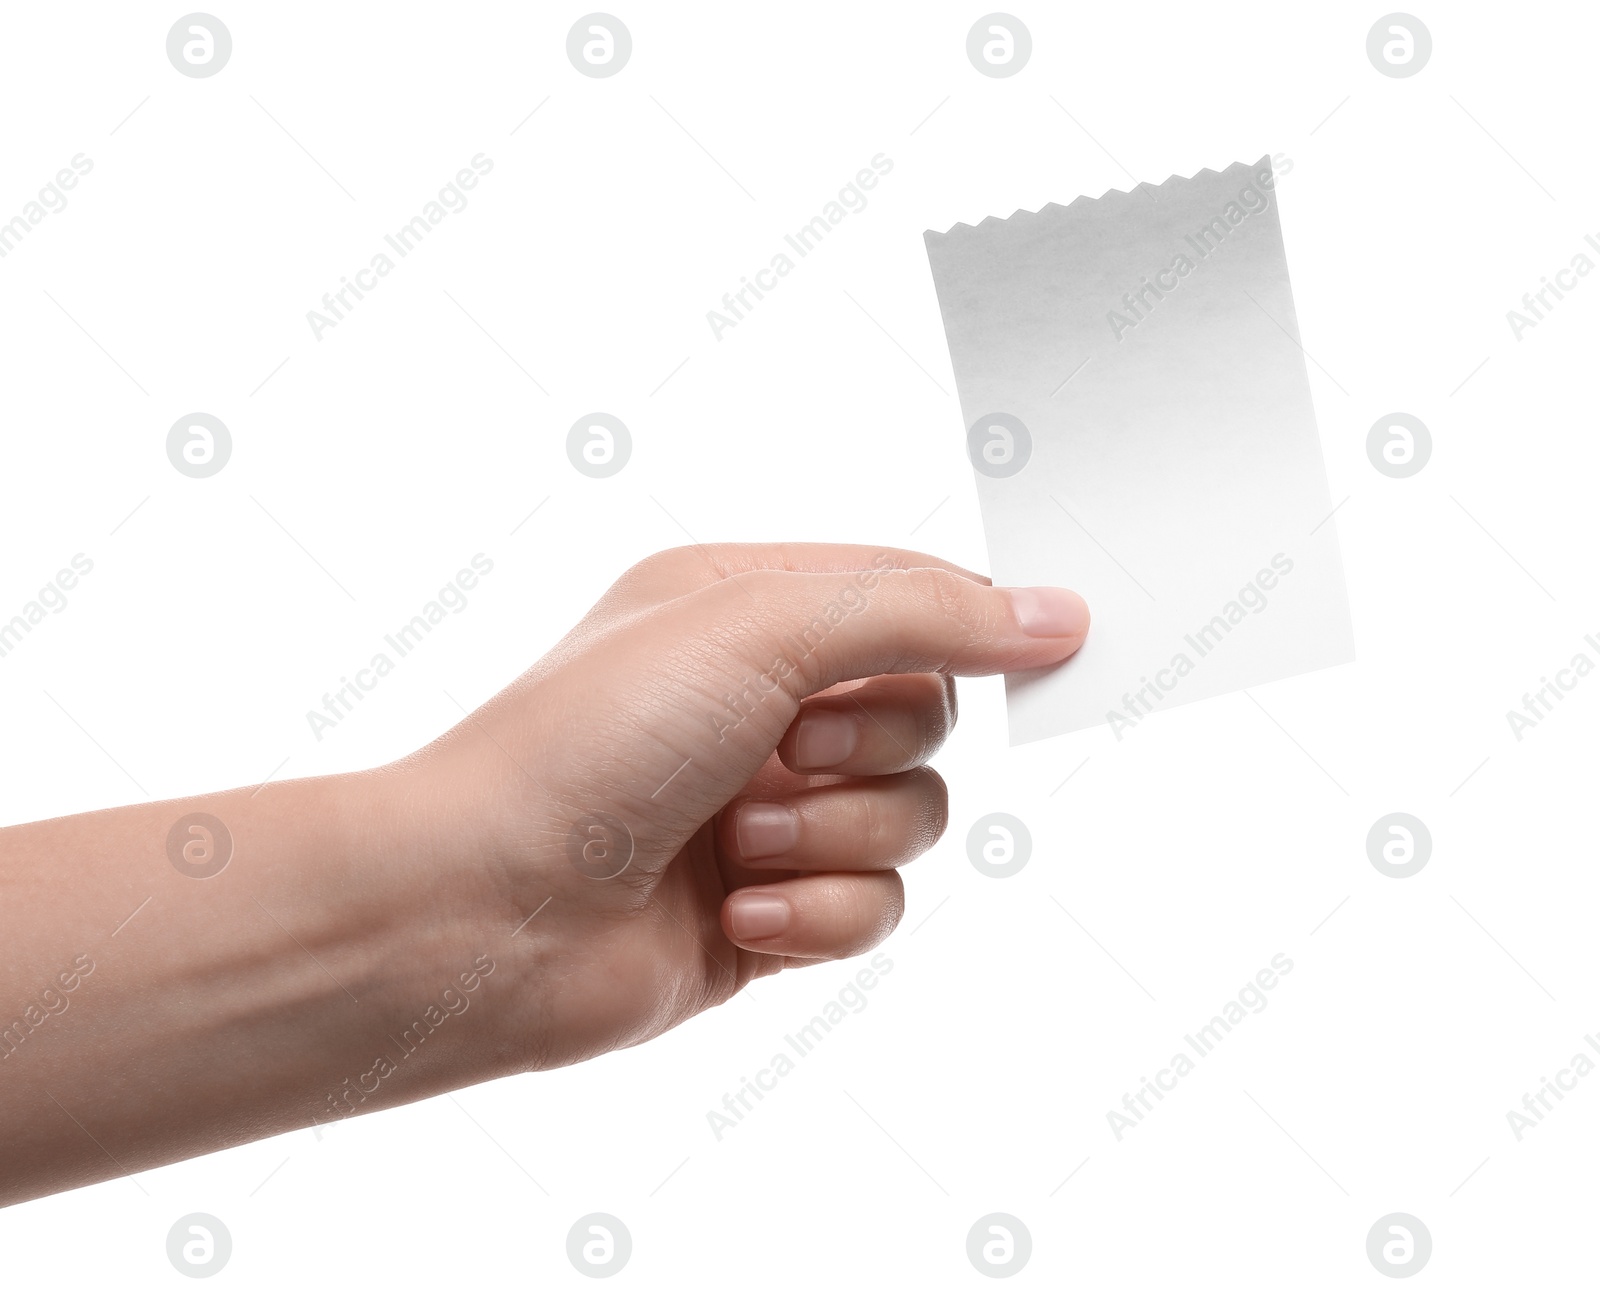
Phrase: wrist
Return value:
(453, 863)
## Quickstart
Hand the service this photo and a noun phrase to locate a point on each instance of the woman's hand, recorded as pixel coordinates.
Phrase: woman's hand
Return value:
(713, 777)
(717, 772)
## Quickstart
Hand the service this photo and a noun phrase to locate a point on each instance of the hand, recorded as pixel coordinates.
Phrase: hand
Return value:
(715, 775)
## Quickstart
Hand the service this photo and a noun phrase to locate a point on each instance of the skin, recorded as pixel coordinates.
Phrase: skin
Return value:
(707, 781)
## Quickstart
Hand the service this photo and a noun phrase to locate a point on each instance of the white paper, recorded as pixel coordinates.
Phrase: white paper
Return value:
(1147, 343)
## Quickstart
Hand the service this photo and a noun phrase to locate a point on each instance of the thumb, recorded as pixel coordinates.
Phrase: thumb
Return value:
(820, 629)
(698, 694)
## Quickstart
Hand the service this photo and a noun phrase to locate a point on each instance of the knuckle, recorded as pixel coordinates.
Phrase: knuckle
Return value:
(932, 717)
(668, 561)
(952, 709)
(892, 908)
(641, 581)
(862, 911)
(945, 593)
(788, 625)
(936, 806)
(870, 826)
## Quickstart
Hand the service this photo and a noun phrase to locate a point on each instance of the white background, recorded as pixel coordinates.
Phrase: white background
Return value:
(1165, 873)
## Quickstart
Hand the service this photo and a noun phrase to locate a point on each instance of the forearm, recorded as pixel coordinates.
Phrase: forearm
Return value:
(336, 964)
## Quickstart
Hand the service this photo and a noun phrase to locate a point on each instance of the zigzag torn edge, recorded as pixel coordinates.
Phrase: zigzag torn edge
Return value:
(1084, 199)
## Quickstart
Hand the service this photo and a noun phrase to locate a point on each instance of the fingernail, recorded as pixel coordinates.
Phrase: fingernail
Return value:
(757, 915)
(824, 739)
(766, 829)
(1050, 612)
